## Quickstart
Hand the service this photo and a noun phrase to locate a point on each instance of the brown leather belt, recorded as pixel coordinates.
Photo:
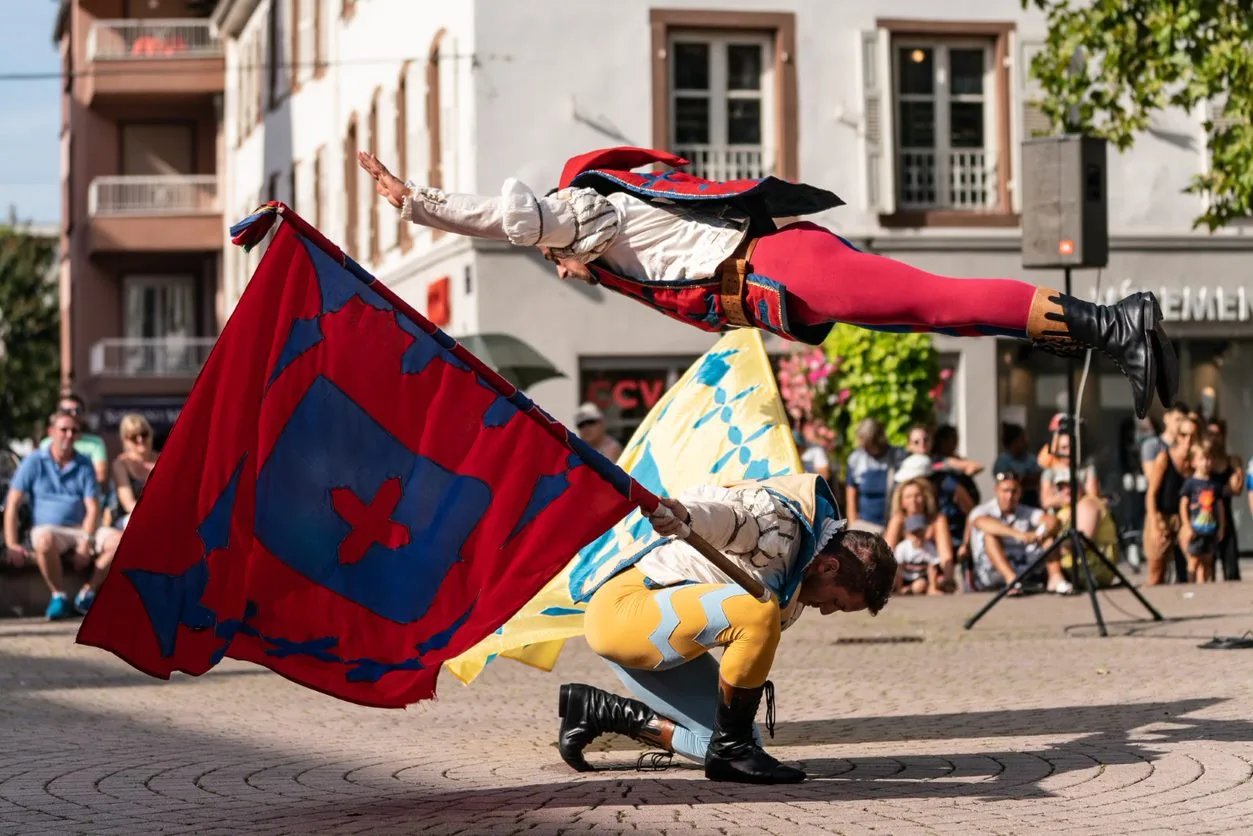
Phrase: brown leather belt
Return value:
(733, 272)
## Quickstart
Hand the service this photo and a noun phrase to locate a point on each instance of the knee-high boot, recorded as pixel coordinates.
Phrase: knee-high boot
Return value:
(733, 753)
(1130, 333)
(587, 713)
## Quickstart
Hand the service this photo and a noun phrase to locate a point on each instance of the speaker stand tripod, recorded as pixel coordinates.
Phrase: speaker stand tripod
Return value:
(1080, 545)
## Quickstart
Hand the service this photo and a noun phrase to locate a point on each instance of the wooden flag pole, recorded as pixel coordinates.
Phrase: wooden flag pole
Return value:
(729, 567)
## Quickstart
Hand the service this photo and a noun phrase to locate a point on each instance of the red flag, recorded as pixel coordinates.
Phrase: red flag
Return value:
(348, 497)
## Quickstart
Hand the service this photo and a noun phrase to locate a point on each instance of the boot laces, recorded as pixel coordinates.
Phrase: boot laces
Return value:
(654, 761)
(769, 689)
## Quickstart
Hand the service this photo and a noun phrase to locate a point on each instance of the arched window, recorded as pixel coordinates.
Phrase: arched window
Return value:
(404, 235)
(350, 185)
(434, 134)
(373, 147)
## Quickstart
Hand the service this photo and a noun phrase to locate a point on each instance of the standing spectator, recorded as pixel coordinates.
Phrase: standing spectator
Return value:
(1161, 517)
(64, 496)
(1007, 536)
(1230, 474)
(590, 422)
(133, 465)
(1016, 456)
(1201, 512)
(956, 491)
(918, 440)
(1153, 446)
(89, 444)
(870, 468)
(814, 456)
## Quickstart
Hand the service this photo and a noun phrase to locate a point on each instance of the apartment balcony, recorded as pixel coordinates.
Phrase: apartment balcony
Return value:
(150, 60)
(715, 162)
(171, 213)
(153, 363)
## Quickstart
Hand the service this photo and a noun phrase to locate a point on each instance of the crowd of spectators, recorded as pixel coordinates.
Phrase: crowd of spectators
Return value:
(67, 504)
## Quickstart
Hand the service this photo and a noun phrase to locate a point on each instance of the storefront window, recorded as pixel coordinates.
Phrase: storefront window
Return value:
(626, 388)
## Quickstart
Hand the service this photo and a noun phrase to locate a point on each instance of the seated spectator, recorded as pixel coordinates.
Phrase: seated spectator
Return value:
(870, 468)
(590, 422)
(955, 489)
(61, 487)
(89, 444)
(920, 538)
(1006, 537)
(133, 465)
(1057, 460)
(1016, 456)
(1095, 522)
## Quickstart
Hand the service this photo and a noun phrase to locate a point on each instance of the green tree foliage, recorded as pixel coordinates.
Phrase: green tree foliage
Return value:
(1139, 56)
(889, 377)
(30, 335)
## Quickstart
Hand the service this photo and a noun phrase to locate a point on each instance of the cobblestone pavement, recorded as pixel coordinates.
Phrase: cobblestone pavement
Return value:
(906, 723)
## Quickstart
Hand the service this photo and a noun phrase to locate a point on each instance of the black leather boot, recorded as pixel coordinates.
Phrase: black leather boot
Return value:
(587, 713)
(733, 753)
(1130, 333)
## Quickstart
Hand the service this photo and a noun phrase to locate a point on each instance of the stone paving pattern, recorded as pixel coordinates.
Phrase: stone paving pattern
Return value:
(906, 723)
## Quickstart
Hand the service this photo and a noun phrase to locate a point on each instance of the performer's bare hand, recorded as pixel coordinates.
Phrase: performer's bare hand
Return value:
(385, 183)
(668, 525)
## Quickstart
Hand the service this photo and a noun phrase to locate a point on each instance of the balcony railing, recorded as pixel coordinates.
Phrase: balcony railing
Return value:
(722, 163)
(152, 39)
(150, 356)
(175, 194)
(958, 180)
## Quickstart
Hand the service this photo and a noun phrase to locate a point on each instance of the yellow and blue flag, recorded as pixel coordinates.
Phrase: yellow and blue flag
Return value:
(723, 421)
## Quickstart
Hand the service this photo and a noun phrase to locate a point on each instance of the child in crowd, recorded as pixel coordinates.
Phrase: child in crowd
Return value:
(919, 561)
(1201, 510)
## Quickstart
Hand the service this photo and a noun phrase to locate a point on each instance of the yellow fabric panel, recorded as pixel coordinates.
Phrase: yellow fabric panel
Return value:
(722, 421)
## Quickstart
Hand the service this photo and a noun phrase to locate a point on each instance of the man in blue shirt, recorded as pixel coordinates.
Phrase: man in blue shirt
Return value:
(61, 486)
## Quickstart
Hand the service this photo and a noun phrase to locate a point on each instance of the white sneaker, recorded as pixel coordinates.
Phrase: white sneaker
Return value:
(1062, 587)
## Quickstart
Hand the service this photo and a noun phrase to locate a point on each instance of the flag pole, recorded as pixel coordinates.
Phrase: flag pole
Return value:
(248, 232)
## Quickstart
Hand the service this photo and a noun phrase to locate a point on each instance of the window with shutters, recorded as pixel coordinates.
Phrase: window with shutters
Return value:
(937, 127)
(351, 179)
(404, 235)
(724, 91)
(373, 148)
(318, 194)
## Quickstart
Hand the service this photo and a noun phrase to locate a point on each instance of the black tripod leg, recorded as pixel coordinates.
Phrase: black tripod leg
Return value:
(1113, 567)
(1078, 554)
(1017, 582)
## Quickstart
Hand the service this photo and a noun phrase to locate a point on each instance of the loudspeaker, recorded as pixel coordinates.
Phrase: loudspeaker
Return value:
(1065, 213)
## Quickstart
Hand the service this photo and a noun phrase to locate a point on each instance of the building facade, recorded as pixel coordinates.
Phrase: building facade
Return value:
(911, 111)
(141, 219)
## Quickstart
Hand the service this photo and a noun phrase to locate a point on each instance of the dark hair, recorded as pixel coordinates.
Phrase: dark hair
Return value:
(1011, 433)
(1179, 406)
(872, 570)
(944, 434)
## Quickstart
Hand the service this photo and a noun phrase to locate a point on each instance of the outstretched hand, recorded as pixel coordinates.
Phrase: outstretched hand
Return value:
(385, 183)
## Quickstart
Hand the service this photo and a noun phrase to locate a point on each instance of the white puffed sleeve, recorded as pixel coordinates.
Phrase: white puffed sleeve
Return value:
(574, 223)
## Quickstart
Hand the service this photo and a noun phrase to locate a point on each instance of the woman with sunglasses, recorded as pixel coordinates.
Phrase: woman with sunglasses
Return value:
(133, 466)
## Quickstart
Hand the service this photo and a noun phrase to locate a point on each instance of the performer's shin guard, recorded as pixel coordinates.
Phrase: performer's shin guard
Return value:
(733, 753)
(587, 713)
(1129, 333)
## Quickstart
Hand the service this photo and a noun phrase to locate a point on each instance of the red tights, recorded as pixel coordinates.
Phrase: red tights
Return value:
(830, 281)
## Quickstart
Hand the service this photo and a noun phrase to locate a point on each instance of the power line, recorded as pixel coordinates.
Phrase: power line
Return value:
(106, 71)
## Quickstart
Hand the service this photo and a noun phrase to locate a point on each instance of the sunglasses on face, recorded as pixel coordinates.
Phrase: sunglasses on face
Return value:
(138, 437)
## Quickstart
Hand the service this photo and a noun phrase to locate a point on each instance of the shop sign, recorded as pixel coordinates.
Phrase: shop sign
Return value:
(625, 394)
(1198, 303)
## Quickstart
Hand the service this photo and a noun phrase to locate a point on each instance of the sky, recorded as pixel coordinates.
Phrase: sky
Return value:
(30, 156)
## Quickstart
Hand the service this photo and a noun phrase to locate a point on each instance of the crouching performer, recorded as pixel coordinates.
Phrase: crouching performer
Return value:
(655, 616)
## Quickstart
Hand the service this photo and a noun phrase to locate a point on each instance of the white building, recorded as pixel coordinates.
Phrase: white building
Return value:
(912, 111)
